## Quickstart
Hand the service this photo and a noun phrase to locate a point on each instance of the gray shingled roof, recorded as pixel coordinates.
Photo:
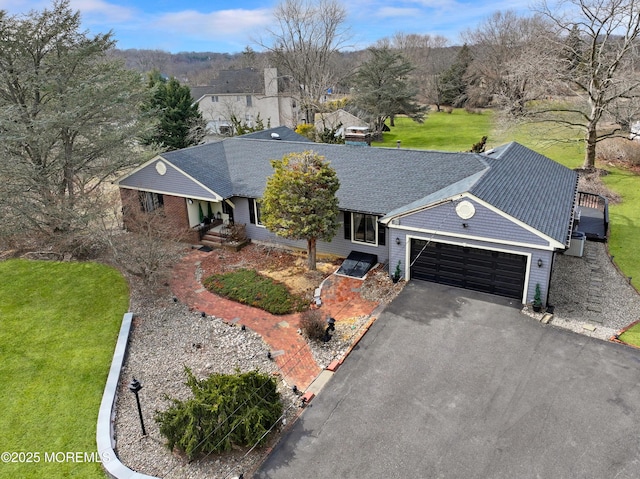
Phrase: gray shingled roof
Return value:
(514, 179)
(235, 82)
(283, 133)
(529, 187)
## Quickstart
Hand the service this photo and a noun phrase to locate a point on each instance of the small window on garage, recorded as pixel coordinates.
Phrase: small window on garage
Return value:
(249, 100)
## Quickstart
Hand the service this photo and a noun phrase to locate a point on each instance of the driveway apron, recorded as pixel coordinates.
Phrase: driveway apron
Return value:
(450, 383)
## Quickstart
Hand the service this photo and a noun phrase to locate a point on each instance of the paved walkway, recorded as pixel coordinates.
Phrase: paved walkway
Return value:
(340, 297)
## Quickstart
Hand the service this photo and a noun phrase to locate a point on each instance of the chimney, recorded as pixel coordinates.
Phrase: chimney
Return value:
(271, 82)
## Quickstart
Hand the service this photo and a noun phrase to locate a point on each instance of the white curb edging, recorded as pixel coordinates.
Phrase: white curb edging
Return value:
(105, 436)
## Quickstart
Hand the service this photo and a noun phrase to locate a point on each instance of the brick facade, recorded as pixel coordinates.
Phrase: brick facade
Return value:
(174, 213)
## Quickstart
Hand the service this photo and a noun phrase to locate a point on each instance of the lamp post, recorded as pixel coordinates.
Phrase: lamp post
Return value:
(135, 388)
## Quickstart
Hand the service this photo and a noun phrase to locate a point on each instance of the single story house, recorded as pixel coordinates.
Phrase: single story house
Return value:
(491, 222)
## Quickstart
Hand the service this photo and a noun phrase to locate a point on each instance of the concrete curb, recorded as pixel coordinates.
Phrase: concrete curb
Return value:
(105, 437)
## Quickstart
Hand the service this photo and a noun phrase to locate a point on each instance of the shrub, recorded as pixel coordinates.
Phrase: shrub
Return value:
(619, 149)
(226, 410)
(312, 325)
(250, 288)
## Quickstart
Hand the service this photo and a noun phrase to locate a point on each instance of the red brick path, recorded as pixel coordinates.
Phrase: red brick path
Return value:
(340, 297)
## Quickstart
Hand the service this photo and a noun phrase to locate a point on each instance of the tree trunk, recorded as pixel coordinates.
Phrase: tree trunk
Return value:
(590, 150)
(311, 254)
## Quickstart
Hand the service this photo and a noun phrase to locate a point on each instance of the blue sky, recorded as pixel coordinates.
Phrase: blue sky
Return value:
(227, 26)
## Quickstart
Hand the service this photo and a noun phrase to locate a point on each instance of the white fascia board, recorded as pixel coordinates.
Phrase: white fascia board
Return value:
(420, 208)
(216, 196)
(446, 234)
(553, 244)
(141, 167)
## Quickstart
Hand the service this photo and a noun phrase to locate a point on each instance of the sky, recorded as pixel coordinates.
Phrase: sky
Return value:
(229, 27)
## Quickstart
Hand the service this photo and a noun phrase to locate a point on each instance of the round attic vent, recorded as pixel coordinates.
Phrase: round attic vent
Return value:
(161, 168)
(465, 210)
(275, 136)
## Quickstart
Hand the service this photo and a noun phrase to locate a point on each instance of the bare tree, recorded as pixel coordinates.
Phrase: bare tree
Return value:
(305, 44)
(596, 46)
(149, 247)
(425, 54)
(510, 61)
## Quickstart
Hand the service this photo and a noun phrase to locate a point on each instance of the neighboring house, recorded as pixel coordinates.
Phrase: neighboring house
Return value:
(339, 118)
(490, 222)
(247, 94)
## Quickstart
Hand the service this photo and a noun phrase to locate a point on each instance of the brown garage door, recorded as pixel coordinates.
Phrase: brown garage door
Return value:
(483, 270)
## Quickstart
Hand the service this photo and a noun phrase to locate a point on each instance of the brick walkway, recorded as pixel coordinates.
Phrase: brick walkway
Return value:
(340, 297)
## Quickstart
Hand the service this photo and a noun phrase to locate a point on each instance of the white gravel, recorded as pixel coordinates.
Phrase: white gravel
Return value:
(166, 337)
(590, 292)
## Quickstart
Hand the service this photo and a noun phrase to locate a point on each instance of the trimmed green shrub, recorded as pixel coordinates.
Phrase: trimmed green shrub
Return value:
(226, 410)
(248, 287)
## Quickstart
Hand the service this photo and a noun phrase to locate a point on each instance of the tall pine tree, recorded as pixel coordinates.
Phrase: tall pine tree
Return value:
(180, 123)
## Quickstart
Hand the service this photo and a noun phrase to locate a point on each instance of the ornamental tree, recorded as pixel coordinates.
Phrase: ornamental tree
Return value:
(300, 200)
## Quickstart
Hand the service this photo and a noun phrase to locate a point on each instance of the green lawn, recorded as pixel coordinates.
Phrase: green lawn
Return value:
(456, 131)
(632, 335)
(59, 324)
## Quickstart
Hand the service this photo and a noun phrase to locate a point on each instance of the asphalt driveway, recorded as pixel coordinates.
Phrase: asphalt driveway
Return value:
(454, 384)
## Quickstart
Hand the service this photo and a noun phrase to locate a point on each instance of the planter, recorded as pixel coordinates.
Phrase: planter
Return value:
(395, 279)
(537, 308)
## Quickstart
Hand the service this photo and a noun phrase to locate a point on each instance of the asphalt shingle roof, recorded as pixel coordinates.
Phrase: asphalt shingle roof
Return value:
(514, 179)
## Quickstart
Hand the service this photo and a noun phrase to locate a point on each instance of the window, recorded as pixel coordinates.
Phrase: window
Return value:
(214, 98)
(249, 100)
(254, 212)
(150, 201)
(364, 228)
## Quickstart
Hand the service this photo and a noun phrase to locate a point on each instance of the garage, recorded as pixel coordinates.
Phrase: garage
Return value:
(488, 271)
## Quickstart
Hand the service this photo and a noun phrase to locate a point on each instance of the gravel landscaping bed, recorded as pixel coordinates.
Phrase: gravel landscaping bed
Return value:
(167, 336)
(591, 292)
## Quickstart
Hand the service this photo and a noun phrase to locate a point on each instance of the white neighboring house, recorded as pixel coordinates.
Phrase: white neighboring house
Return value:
(339, 117)
(246, 94)
(635, 131)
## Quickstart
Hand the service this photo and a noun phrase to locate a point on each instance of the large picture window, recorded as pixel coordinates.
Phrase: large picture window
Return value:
(365, 228)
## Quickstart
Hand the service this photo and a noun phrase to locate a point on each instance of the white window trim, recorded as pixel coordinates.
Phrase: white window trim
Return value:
(353, 232)
(256, 215)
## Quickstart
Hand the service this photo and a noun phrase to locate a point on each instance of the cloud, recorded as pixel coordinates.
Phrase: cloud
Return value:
(220, 25)
(101, 12)
(397, 12)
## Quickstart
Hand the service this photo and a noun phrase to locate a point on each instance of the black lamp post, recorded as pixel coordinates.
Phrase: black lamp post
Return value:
(135, 388)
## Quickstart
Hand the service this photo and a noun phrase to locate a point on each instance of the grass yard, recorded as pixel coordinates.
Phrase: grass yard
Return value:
(59, 324)
(632, 335)
(456, 131)
(624, 241)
